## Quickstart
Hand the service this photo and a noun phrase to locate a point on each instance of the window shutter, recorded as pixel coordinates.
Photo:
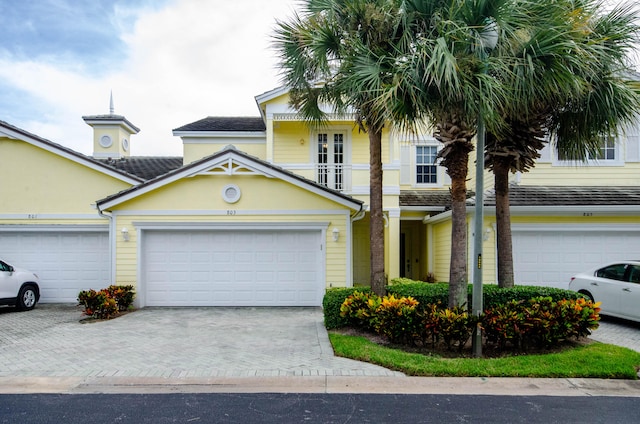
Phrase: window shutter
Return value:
(405, 165)
(633, 143)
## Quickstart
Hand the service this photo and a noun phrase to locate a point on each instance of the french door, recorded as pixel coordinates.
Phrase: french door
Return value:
(330, 160)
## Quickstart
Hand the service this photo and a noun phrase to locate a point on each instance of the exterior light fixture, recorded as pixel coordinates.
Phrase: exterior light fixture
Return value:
(336, 234)
(125, 234)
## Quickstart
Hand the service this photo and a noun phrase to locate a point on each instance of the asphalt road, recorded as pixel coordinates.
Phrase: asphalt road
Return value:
(313, 408)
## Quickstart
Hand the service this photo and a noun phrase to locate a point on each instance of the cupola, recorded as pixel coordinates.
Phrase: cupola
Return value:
(111, 134)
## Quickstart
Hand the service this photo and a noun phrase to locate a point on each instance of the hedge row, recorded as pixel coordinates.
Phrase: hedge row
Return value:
(492, 295)
(438, 293)
(540, 322)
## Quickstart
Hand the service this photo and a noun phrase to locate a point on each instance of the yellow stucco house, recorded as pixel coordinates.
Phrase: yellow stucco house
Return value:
(264, 211)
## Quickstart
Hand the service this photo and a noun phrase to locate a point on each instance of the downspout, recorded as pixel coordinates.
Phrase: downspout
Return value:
(112, 242)
(355, 217)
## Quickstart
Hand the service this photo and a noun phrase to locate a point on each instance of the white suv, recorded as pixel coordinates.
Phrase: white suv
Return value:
(18, 287)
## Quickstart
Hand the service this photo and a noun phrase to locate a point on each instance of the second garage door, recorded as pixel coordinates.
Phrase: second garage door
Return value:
(233, 268)
(552, 256)
(66, 262)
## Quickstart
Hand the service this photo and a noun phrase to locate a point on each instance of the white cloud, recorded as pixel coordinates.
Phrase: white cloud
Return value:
(189, 60)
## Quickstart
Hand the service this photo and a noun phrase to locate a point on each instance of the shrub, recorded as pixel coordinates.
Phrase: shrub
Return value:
(359, 309)
(455, 326)
(332, 302)
(106, 303)
(123, 295)
(502, 324)
(98, 304)
(396, 318)
(539, 322)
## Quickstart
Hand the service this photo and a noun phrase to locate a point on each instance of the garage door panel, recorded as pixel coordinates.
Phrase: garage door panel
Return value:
(553, 257)
(241, 268)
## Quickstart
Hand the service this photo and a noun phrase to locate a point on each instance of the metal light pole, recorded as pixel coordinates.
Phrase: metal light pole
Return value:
(489, 39)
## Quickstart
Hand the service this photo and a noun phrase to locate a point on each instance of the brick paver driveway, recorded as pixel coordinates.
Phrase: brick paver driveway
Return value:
(51, 341)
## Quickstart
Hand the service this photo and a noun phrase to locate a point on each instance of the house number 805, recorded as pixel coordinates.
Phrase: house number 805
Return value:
(230, 212)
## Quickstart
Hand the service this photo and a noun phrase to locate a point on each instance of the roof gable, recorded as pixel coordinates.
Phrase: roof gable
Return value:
(15, 133)
(229, 161)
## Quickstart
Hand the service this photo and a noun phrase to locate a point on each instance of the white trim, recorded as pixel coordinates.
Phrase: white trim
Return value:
(580, 210)
(393, 212)
(107, 155)
(231, 226)
(410, 218)
(595, 227)
(74, 158)
(220, 134)
(41, 216)
(84, 228)
(225, 212)
(271, 94)
(296, 166)
(422, 208)
(390, 190)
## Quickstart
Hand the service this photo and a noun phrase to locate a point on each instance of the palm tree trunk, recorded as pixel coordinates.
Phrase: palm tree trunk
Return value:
(503, 223)
(458, 267)
(376, 221)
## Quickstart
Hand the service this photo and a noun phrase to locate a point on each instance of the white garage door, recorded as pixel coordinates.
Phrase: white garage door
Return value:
(66, 262)
(232, 268)
(551, 258)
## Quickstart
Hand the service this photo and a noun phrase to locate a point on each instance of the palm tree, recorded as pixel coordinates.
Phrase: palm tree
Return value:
(442, 70)
(573, 88)
(325, 55)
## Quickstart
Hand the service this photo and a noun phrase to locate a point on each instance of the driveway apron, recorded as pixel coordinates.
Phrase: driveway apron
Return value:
(52, 341)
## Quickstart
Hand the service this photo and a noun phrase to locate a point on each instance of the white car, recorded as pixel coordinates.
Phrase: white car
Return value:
(616, 285)
(18, 287)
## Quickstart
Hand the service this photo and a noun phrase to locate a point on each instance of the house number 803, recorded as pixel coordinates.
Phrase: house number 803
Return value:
(231, 212)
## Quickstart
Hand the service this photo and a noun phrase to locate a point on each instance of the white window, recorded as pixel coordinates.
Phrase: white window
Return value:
(419, 167)
(426, 168)
(607, 149)
(330, 159)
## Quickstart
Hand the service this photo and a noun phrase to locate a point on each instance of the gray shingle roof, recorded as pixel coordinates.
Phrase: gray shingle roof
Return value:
(225, 123)
(145, 167)
(427, 198)
(569, 196)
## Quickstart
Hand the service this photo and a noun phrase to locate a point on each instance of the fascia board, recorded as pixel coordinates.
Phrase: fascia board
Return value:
(576, 210)
(271, 94)
(221, 134)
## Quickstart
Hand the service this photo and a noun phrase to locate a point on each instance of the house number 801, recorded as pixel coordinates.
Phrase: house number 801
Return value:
(230, 212)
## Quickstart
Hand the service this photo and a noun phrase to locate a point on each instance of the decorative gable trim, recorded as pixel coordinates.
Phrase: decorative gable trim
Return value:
(229, 162)
(231, 166)
(15, 133)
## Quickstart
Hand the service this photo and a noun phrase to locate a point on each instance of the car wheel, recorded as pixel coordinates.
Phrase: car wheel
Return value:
(27, 298)
(586, 293)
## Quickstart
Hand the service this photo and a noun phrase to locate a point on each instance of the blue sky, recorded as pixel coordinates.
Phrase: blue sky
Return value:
(168, 63)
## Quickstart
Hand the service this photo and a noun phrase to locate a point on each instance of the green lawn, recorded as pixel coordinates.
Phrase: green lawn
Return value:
(595, 360)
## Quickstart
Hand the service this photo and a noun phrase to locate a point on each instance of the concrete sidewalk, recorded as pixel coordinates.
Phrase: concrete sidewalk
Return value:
(325, 384)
